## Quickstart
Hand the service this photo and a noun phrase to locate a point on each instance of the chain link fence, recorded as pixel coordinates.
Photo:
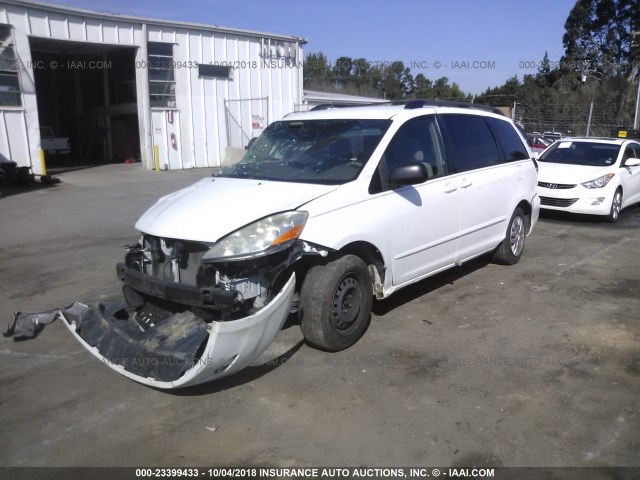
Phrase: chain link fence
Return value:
(595, 119)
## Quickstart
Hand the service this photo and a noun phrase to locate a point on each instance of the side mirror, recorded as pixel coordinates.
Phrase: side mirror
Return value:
(251, 142)
(631, 162)
(410, 174)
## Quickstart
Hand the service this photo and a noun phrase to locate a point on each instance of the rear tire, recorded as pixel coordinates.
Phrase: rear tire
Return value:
(511, 248)
(335, 303)
(616, 206)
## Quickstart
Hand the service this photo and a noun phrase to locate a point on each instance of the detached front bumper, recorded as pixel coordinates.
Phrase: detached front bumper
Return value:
(180, 350)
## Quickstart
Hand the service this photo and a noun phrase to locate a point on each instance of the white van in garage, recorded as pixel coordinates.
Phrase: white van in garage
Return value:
(326, 210)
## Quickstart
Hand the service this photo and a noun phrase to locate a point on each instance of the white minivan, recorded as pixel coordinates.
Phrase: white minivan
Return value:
(326, 210)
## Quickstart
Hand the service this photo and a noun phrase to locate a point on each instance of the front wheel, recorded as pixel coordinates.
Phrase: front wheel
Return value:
(335, 303)
(511, 248)
(616, 206)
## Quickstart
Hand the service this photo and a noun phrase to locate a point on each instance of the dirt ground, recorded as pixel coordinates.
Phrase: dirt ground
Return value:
(532, 365)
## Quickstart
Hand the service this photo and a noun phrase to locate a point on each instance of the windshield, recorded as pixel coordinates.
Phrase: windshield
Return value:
(582, 153)
(328, 152)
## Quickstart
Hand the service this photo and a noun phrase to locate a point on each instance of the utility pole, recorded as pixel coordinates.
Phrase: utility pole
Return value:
(635, 119)
(635, 45)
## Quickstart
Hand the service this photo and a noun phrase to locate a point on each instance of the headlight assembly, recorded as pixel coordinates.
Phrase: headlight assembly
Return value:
(265, 236)
(599, 182)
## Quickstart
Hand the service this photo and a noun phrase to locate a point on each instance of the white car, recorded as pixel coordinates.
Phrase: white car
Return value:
(54, 145)
(590, 176)
(326, 210)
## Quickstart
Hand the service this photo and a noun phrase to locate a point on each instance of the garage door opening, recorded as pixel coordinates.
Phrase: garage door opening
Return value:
(87, 105)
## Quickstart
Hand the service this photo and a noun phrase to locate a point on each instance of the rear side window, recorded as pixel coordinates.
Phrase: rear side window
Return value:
(512, 146)
(471, 141)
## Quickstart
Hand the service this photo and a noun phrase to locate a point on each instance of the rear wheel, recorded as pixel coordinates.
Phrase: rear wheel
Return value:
(511, 248)
(335, 303)
(616, 206)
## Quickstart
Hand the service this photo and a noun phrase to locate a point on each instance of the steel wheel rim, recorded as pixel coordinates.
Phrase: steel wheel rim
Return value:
(347, 300)
(516, 236)
(615, 206)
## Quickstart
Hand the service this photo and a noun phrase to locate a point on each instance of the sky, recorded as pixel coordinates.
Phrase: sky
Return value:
(474, 44)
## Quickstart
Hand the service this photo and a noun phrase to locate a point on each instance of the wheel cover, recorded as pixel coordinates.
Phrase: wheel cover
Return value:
(347, 301)
(615, 205)
(516, 236)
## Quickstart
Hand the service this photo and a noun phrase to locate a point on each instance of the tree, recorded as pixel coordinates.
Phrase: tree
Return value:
(543, 78)
(422, 87)
(317, 70)
(396, 81)
(342, 71)
(361, 73)
(503, 95)
(598, 37)
(358, 76)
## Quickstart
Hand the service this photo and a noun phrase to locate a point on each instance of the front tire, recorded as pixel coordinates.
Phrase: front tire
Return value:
(335, 303)
(511, 248)
(616, 206)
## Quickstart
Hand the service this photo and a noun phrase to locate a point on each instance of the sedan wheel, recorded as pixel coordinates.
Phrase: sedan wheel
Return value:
(516, 237)
(510, 249)
(616, 206)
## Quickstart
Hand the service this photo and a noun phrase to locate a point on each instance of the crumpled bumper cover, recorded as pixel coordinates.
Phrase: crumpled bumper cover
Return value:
(181, 350)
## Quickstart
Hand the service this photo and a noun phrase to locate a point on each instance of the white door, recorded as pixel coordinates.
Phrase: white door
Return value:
(424, 219)
(631, 176)
(423, 228)
(166, 137)
(487, 156)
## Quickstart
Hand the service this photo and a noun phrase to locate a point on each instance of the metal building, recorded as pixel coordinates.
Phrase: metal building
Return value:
(175, 95)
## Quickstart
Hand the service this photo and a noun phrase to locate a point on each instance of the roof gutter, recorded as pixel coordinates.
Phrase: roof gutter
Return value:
(150, 21)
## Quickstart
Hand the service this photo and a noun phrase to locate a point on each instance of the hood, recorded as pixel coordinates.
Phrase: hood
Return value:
(215, 207)
(569, 174)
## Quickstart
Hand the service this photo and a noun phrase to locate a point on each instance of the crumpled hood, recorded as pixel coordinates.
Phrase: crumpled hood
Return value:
(569, 174)
(215, 207)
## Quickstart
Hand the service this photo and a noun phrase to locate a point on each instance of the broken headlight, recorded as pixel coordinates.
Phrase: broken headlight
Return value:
(268, 235)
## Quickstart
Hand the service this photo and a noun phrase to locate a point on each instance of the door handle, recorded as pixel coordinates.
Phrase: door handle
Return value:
(465, 183)
(450, 187)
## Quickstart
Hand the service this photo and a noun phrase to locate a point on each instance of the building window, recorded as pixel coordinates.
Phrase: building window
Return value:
(162, 82)
(9, 70)
(214, 71)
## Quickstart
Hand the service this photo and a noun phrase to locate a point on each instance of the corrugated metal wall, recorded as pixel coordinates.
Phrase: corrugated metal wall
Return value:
(200, 101)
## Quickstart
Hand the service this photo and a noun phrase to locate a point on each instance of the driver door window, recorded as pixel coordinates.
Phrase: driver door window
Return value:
(417, 141)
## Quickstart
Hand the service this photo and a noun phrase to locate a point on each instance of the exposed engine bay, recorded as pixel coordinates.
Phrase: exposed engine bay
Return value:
(172, 274)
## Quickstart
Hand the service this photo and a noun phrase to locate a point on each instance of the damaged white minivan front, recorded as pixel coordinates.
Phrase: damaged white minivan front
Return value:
(196, 310)
(326, 210)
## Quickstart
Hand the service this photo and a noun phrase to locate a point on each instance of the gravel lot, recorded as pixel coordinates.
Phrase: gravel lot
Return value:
(532, 365)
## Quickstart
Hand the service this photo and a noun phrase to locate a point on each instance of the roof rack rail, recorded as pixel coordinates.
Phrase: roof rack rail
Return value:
(328, 106)
(419, 103)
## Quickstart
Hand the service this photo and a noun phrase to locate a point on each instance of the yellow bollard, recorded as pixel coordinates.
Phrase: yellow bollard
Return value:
(42, 164)
(156, 157)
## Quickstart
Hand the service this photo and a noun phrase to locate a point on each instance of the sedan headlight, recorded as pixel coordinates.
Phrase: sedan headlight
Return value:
(599, 182)
(267, 235)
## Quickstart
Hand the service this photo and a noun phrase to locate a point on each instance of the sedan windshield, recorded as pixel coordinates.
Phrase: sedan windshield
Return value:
(310, 151)
(591, 154)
